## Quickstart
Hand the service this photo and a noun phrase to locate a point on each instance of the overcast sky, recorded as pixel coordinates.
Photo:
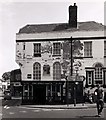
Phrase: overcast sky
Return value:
(15, 15)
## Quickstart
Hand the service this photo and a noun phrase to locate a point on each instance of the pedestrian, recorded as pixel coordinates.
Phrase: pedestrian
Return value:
(89, 97)
(99, 99)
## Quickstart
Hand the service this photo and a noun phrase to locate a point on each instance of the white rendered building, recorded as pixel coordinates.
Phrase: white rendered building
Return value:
(40, 60)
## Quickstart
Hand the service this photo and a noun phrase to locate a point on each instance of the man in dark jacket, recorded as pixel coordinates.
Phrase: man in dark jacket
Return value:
(100, 99)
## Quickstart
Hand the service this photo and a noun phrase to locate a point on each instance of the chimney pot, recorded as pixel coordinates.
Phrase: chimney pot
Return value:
(74, 4)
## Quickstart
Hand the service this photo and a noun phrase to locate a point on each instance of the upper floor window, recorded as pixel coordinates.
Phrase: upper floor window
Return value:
(37, 49)
(37, 71)
(56, 71)
(104, 48)
(87, 49)
(57, 48)
(24, 46)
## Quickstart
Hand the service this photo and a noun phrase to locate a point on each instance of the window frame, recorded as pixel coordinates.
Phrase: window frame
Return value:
(98, 73)
(89, 77)
(29, 76)
(56, 71)
(37, 71)
(24, 46)
(37, 50)
(88, 49)
(56, 49)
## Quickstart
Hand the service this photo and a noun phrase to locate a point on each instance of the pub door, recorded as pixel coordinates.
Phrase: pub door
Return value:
(39, 94)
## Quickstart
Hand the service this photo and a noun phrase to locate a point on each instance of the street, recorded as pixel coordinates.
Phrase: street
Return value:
(26, 112)
(13, 109)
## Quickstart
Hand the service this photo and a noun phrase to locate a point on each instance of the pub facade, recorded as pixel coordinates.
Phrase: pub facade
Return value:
(40, 54)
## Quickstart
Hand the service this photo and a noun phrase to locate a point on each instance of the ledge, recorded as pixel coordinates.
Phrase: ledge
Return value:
(89, 57)
(56, 55)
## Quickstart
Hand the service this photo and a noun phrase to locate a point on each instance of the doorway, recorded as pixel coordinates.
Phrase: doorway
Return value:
(39, 94)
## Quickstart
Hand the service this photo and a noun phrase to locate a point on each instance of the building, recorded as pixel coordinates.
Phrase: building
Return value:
(15, 83)
(0, 84)
(5, 85)
(39, 53)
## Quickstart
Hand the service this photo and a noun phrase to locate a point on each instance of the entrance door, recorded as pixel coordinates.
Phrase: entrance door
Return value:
(39, 94)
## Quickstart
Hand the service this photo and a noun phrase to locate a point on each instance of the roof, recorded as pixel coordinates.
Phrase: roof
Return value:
(82, 26)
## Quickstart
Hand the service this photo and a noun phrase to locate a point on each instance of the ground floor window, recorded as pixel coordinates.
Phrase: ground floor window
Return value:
(98, 73)
(41, 93)
(89, 76)
(94, 75)
(27, 91)
(53, 92)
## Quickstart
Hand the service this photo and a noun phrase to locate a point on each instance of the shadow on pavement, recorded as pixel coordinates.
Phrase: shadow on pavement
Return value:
(92, 116)
(13, 102)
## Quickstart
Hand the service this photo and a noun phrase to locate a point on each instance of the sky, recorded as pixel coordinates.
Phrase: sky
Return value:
(16, 14)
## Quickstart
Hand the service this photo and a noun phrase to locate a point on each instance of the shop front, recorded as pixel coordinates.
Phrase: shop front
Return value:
(55, 92)
(43, 92)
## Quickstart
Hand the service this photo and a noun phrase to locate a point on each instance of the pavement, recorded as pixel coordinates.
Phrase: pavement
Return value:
(17, 102)
(69, 106)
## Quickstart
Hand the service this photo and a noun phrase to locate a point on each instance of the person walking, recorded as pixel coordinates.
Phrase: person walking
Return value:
(99, 99)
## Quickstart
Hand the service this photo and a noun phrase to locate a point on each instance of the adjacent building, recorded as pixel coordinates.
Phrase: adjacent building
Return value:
(40, 54)
(15, 83)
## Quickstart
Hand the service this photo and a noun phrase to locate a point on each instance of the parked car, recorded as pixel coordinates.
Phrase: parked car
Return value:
(7, 95)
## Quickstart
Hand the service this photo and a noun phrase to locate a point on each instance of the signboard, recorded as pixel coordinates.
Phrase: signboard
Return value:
(72, 78)
(17, 84)
(76, 78)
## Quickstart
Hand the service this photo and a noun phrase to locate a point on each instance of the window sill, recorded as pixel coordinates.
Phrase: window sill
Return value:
(78, 57)
(55, 55)
(36, 56)
(46, 75)
(89, 57)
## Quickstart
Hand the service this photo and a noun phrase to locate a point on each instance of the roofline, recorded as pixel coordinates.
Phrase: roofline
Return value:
(62, 39)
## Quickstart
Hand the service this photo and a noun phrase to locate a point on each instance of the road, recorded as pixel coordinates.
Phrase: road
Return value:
(13, 109)
(26, 112)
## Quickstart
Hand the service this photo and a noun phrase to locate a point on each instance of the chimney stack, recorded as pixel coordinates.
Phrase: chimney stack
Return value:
(73, 16)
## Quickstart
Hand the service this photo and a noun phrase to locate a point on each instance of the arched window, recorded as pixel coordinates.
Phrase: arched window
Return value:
(37, 71)
(98, 73)
(56, 71)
